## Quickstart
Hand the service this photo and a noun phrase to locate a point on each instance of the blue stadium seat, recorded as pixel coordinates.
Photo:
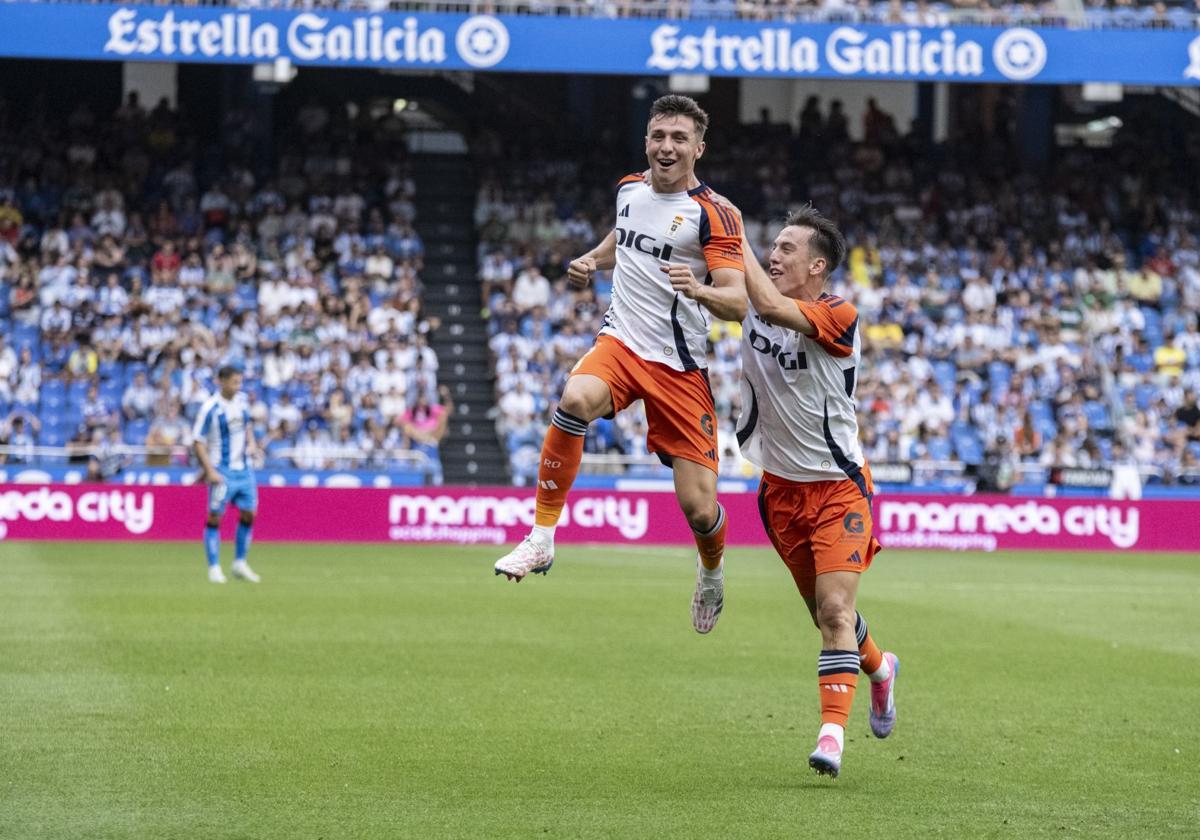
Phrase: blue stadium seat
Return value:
(109, 369)
(946, 374)
(26, 334)
(1040, 410)
(939, 449)
(112, 390)
(1144, 394)
(968, 448)
(1097, 416)
(136, 431)
(999, 373)
(77, 392)
(53, 436)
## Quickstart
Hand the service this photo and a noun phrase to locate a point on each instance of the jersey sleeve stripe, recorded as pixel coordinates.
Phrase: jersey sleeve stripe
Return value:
(846, 339)
(633, 178)
(202, 424)
(731, 225)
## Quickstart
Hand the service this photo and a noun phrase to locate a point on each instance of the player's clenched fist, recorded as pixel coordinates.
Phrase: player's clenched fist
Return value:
(682, 279)
(580, 271)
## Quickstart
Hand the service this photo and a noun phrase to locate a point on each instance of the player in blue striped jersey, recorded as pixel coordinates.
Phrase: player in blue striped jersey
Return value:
(225, 447)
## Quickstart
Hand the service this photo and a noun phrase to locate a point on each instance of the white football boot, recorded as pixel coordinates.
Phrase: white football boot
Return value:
(215, 575)
(242, 571)
(530, 556)
(707, 601)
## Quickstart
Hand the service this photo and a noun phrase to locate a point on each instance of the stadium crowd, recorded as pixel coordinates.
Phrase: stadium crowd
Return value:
(1154, 14)
(137, 258)
(1015, 324)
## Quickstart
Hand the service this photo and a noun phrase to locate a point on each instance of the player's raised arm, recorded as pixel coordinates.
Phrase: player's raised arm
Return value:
(770, 304)
(601, 258)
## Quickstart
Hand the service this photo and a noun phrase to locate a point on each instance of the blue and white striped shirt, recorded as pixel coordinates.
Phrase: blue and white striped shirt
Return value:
(223, 426)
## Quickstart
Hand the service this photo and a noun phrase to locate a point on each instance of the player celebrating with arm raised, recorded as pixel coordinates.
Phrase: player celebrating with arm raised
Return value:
(224, 432)
(800, 356)
(675, 254)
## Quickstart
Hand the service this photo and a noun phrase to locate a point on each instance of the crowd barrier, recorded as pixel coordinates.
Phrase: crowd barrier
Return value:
(496, 516)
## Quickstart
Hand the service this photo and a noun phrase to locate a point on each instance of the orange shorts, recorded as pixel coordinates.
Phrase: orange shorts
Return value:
(679, 404)
(819, 526)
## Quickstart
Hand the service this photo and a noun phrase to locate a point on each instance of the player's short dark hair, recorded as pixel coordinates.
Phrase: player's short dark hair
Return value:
(227, 371)
(674, 104)
(826, 240)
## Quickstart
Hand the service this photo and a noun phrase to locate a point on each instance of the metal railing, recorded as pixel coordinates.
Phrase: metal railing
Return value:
(180, 455)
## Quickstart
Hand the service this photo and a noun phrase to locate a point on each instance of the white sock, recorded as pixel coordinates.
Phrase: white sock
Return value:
(713, 574)
(543, 535)
(832, 729)
(882, 673)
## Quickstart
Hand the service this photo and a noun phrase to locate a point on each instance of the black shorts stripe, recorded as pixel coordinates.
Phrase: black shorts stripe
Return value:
(762, 507)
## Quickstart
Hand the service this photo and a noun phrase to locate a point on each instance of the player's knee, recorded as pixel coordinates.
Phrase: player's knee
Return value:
(835, 615)
(246, 517)
(213, 520)
(580, 400)
(699, 510)
(577, 404)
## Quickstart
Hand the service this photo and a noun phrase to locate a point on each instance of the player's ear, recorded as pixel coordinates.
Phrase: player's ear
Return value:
(700, 147)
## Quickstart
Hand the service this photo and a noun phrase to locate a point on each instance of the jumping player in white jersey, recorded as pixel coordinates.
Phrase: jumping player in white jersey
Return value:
(676, 258)
(225, 447)
(800, 359)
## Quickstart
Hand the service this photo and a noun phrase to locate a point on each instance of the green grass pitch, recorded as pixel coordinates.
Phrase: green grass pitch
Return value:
(381, 692)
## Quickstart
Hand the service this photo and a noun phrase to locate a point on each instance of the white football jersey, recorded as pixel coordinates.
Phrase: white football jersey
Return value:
(654, 229)
(224, 426)
(798, 419)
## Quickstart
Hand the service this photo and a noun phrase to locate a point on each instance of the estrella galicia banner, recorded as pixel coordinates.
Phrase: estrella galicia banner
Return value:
(584, 45)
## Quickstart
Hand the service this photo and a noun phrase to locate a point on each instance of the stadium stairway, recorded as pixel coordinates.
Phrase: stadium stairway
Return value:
(472, 453)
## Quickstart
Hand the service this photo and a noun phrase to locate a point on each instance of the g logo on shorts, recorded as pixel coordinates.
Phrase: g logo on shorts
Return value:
(853, 523)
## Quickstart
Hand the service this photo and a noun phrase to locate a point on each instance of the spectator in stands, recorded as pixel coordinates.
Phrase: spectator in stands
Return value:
(138, 401)
(18, 433)
(109, 456)
(425, 425)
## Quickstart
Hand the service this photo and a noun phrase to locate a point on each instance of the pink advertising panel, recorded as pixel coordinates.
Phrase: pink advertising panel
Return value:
(495, 516)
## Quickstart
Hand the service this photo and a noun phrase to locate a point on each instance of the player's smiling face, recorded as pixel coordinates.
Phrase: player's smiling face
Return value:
(672, 148)
(795, 270)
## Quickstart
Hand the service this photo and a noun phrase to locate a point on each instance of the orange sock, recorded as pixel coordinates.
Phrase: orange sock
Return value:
(870, 655)
(562, 450)
(711, 543)
(837, 677)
